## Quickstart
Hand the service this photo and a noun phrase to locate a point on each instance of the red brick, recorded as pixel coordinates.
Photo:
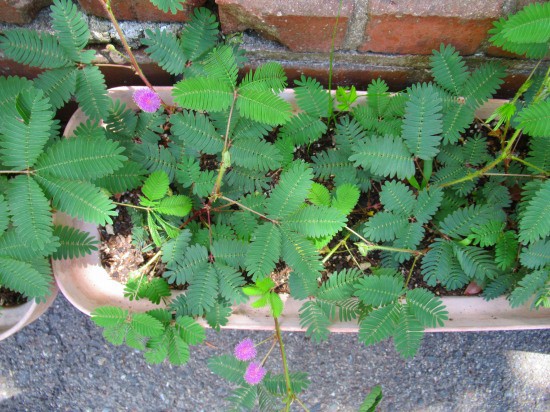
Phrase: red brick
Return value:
(419, 26)
(21, 11)
(300, 25)
(142, 10)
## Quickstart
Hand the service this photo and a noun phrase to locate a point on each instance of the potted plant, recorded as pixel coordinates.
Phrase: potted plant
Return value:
(235, 193)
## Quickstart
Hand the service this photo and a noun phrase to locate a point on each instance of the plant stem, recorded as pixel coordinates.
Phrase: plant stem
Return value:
(331, 62)
(532, 166)
(16, 172)
(148, 209)
(373, 246)
(290, 394)
(153, 259)
(304, 407)
(269, 351)
(335, 248)
(248, 209)
(225, 153)
(517, 175)
(106, 4)
(123, 66)
(488, 167)
(411, 270)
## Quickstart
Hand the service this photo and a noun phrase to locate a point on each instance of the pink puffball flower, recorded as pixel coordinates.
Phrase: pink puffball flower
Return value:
(254, 373)
(245, 350)
(147, 100)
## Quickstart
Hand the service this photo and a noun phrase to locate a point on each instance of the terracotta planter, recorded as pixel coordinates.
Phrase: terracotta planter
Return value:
(16, 318)
(87, 285)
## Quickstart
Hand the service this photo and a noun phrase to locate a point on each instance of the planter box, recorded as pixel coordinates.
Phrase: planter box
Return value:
(14, 319)
(87, 285)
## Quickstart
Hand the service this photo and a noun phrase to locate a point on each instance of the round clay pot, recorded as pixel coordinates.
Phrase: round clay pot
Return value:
(16, 318)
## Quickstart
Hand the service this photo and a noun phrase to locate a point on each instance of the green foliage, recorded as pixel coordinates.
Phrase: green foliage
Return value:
(71, 27)
(534, 119)
(173, 5)
(533, 222)
(74, 243)
(372, 400)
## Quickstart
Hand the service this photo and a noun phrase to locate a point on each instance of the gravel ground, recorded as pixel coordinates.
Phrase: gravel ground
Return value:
(62, 363)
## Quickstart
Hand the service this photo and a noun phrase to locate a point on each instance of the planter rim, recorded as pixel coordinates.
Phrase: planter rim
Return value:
(95, 287)
(14, 319)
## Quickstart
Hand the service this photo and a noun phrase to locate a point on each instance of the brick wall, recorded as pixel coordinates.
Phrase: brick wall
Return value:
(391, 39)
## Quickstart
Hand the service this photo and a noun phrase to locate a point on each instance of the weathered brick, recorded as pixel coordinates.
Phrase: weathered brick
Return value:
(21, 11)
(300, 25)
(419, 26)
(142, 10)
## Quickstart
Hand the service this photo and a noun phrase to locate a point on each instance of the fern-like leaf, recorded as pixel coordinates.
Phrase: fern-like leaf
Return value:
(32, 48)
(487, 234)
(58, 85)
(384, 226)
(483, 83)
(408, 334)
(109, 316)
(303, 129)
(379, 324)
(186, 265)
(128, 177)
(506, 250)
(203, 94)
(22, 277)
(316, 221)
(255, 154)
(4, 219)
(268, 76)
(536, 255)
(81, 159)
(530, 25)
(165, 49)
(461, 222)
(25, 135)
(71, 27)
(228, 368)
(264, 250)
(202, 292)
(528, 286)
(263, 106)
(292, 190)
(379, 290)
(218, 315)
(385, 156)
(426, 307)
(30, 211)
(91, 92)
(311, 97)
(315, 321)
(196, 131)
(200, 34)
(449, 69)
(173, 5)
(535, 120)
(422, 124)
(534, 223)
(535, 50)
(79, 199)
(427, 204)
(396, 197)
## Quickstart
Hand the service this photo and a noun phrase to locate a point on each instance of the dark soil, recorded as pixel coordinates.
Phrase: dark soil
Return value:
(9, 298)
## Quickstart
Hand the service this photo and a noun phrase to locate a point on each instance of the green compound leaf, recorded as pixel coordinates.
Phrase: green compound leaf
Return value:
(379, 290)
(422, 124)
(156, 185)
(263, 106)
(449, 69)
(79, 199)
(408, 335)
(74, 243)
(173, 5)
(91, 93)
(506, 250)
(25, 134)
(24, 277)
(385, 156)
(30, 211)
(203, 94)
(397, 197)
(58, 85)
(530, 25)
(4, 219)
(203, 291)
(146, 325)
(461, 222)
(379, 324)
(534, 223)
(71, 27)
(81, 159)
(291, 191)
(190, 331)
(109, 316)
(372, 400)
(427, 204)
(426, 307)
(177, 205)
(528, 286)
(229, 368)
(536, 255)
(200, 34)
(33, 48)
(316, 221)
(164, 48)
(535, 120)
(384, 226)
(264, 251)
(315, 321)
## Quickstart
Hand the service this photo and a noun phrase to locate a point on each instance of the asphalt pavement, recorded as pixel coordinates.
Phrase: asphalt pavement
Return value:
(62, 363)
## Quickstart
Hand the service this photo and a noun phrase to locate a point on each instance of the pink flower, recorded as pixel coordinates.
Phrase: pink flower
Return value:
(254, 373)
(147, 100)
(245, 350)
